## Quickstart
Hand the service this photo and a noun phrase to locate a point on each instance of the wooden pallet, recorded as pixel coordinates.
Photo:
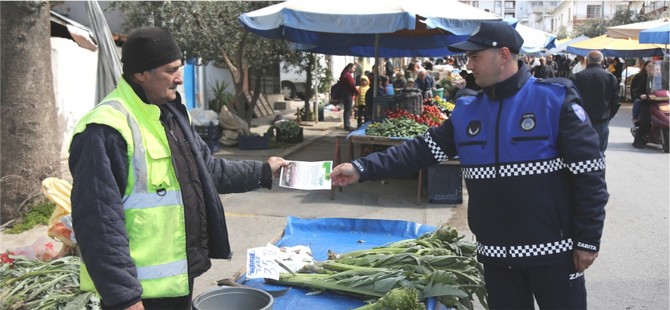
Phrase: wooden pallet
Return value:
(263, 106)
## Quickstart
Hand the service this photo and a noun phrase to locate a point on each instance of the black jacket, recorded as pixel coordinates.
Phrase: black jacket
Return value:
(599, 90)
(99, 166)
(638, 86)
(532, 165)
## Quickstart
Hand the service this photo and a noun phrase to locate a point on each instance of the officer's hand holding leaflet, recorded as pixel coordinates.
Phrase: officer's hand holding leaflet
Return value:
(344, 174)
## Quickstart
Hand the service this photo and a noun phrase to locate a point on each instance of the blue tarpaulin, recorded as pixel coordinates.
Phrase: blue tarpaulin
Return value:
(340, 235)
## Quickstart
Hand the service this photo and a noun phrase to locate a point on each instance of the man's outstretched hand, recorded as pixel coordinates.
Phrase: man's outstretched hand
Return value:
(275, 165)
(344, 174)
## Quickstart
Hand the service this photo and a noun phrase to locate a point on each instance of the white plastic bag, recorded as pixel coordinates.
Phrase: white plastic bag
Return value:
(200, 117)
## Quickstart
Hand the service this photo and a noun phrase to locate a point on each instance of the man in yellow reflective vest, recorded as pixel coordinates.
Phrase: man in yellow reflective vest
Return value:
(145, 204)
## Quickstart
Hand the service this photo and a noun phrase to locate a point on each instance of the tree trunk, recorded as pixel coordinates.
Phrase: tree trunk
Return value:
(309, 81)
(258, 75)
(30, 135)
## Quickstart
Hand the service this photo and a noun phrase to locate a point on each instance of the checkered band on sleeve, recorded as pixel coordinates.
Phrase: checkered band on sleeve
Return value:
(479, 173)
(525, 250)
(491, 251)
(587, 166)
(541, 249)
(530, 168)
(437, 152)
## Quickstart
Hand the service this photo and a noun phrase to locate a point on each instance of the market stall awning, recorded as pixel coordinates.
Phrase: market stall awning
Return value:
(633, 30)
(388, 28)
(611, 47)
(658, 35)
(562, 45)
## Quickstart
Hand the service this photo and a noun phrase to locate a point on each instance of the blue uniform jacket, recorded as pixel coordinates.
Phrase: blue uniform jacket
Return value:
(532, 167)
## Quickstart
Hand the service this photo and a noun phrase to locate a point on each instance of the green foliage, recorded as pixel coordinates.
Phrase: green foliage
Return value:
(562, 33)
(207, 29)
(38, 214)
(591, 28)
(221, 96)
(210, 30)
(401, 274)
(624, 17)
(288, 129)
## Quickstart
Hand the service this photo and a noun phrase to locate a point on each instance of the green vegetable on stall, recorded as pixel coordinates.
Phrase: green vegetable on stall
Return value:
(438, 264)
(398, 127)
(34, 284)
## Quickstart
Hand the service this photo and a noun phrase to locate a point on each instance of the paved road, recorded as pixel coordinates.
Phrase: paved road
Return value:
(632, 270)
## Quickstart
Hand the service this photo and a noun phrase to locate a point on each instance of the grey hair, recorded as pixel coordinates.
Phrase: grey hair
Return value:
(594, 57)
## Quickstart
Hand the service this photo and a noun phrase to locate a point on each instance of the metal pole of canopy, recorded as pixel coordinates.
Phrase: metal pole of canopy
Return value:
(376, 76)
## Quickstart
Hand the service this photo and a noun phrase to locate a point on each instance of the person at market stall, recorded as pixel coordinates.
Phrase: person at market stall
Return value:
(145, 197)
(388, 66)
(358, 72)
(347, 92)
(579, 64)
(616, 68)
(399, 82)
(411, 71)
(640, 88)
(382, 90)
(425, 83)
(533, 170)
(638, 82)
(599, 90)
(360, 100)
(552, 65)
(543, 71)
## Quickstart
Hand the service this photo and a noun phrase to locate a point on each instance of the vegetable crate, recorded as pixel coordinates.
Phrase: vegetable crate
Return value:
(253, 142)
(381, 104)
(210, 134)
(445, 184)
(286, 137)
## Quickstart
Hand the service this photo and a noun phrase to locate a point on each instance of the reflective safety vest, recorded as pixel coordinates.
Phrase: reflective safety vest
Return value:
(152, 201)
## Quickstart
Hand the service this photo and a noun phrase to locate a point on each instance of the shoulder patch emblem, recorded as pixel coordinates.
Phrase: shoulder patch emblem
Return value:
(528, 121)
(579, 111)
(474, 128)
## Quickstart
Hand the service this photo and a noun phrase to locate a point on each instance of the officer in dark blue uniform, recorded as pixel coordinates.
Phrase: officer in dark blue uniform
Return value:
(533, 169)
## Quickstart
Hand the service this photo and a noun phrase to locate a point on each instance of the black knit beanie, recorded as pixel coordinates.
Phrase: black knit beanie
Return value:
(148, 48)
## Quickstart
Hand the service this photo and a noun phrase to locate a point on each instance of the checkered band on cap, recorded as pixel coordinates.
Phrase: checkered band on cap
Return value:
(435, 149)
(525, 250)
(541, 249)
(530, 168)
(587, 166)
(479, 173)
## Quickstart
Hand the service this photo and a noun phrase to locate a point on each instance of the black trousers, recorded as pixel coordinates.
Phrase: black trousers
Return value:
(552, 287)
(645, 122)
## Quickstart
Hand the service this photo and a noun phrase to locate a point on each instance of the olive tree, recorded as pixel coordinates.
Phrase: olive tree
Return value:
(210, 30)
(30, 137)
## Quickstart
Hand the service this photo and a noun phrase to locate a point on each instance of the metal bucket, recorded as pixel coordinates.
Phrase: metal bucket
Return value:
(233, 298)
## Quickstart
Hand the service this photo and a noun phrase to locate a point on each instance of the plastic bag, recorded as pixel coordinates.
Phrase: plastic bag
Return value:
(42, 249)
(200, 117)
(60, 224)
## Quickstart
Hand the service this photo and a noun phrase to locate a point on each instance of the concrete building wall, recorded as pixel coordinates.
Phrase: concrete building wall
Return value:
(74, 76)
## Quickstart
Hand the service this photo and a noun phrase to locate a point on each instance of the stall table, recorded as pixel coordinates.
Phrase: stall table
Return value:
(340, 235)
(359, 137)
